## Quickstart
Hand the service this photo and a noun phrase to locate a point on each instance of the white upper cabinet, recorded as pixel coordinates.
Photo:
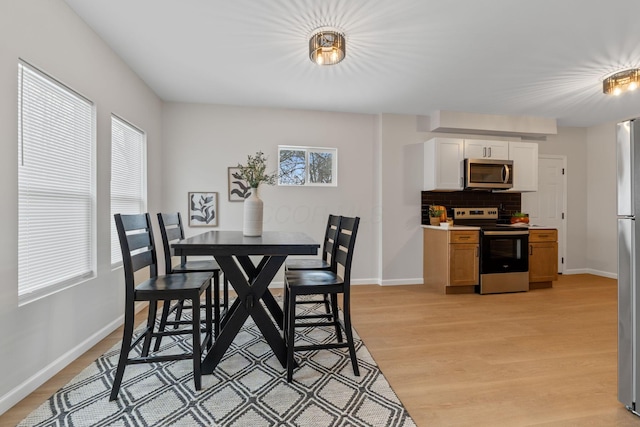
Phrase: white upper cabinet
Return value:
(484, 149)
(525, 166)
(443, 159)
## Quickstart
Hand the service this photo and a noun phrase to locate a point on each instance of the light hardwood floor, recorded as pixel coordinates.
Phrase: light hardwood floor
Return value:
(540, 358)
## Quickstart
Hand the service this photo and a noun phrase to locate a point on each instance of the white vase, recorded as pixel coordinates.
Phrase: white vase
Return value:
(253, 208)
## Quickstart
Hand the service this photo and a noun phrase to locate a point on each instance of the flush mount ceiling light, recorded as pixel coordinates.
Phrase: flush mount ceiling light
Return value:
(621, 81)
(327, 46)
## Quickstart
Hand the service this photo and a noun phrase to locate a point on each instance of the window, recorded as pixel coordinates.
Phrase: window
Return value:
(56, 134)
(128, 184)
(309, 166)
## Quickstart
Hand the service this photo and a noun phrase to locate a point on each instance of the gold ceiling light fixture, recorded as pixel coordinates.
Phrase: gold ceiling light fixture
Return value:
(622, 81)
(327, 46)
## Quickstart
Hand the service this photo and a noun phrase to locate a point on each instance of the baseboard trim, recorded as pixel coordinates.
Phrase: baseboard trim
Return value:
(576, 271)
(32, 383)
(591, 271)
(398, 282)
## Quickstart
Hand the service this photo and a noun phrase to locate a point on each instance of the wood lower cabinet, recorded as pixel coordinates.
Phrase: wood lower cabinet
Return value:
(543, 258)
(463, 264)
(451, 260)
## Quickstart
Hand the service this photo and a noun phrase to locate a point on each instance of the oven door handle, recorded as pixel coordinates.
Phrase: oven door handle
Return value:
(506, 233)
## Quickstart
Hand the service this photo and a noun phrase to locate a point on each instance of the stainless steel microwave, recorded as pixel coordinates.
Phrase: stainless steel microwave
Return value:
(487, 174)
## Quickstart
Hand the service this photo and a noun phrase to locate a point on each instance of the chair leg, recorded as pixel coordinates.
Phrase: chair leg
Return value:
(225, 291)
(151, 324)
(290, 325)
(327, 307)
(335, 313)
(166, 306)
(179, 307)
(216, 303)
(349, 333)
(208, 319)
(197, 351)
(125, 348)
(285, 308)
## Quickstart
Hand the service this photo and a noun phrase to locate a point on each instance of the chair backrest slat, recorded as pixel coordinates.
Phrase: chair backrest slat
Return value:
(331, 234)
(174, 234)
(141, 260)
(171, 230)
(345, 243)
(134, 222)
(138, 241)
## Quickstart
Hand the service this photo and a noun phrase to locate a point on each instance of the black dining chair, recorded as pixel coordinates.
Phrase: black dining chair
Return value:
(334, 282)
(171, 230)
(139, 252)
(328, 257)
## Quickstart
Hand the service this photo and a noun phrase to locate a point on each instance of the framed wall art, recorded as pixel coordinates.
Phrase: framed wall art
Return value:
(203, 209)
(239, 189)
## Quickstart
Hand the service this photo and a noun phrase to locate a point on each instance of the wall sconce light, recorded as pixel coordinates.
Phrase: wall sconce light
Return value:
(327, 46)
(621, 81)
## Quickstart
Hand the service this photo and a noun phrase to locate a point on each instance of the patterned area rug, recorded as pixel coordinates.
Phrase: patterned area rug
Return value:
(248, 388)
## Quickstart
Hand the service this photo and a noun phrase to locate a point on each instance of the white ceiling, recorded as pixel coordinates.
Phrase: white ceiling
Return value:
(515, 57)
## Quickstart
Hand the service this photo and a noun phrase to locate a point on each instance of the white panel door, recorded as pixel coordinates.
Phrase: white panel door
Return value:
(547, 205)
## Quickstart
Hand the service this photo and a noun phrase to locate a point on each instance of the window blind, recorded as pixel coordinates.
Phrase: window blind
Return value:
(128, 189)
(55, 185)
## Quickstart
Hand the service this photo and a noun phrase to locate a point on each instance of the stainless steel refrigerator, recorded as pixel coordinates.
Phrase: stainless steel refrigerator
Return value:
(628, 179)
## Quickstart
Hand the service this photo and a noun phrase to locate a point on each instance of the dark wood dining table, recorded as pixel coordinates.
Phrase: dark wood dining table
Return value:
(232, 250)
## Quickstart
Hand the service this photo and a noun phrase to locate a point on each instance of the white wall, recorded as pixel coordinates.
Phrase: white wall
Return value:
(572, 142)
(602, 247)
(201, 141)
(401, 184)
(40, 338)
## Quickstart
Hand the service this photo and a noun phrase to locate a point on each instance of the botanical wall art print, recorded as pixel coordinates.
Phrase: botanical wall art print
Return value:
(203, 209)
(239, 189)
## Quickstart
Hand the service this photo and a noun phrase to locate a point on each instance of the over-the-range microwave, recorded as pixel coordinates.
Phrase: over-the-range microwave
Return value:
(488, 174)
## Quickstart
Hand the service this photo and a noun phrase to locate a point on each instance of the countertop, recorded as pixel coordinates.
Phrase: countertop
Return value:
(451, 227)
(466, 227)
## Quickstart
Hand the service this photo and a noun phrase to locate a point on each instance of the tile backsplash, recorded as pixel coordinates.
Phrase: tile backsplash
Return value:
(507, 203)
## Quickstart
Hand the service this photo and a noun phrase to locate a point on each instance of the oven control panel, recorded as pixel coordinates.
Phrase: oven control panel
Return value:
(475, 213)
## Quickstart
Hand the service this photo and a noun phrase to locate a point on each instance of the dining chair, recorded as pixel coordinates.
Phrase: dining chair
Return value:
(171, 230)
(334, 282)
(328, 257)
(139, 252)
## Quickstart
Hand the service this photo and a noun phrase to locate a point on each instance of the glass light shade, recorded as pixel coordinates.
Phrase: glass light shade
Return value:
(622, 81)
(327, 47)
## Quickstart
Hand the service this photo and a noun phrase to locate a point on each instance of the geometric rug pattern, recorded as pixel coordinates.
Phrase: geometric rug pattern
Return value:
(248, 388)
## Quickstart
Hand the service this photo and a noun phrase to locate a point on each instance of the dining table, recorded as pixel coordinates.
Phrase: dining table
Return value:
(250, 265)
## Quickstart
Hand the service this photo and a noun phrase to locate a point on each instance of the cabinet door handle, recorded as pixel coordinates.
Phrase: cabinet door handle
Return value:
(530, 249)
(484, 151)
(477, 253)
(489, 151)
(464, 237)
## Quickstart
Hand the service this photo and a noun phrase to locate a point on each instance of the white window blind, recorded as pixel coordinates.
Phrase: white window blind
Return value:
(128, 189)
(55, 185)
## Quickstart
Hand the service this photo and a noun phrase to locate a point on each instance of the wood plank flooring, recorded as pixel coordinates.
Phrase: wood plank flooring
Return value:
(540, 358)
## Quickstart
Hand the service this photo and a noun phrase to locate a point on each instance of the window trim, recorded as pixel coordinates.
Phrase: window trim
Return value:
(308, 150)
(34, 293)
(143, 171)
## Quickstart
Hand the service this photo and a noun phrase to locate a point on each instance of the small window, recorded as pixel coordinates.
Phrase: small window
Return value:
(128, 172)
(56, 185)
(308, 166)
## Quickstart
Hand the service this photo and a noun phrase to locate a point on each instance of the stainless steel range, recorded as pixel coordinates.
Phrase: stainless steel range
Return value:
(504, 260)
